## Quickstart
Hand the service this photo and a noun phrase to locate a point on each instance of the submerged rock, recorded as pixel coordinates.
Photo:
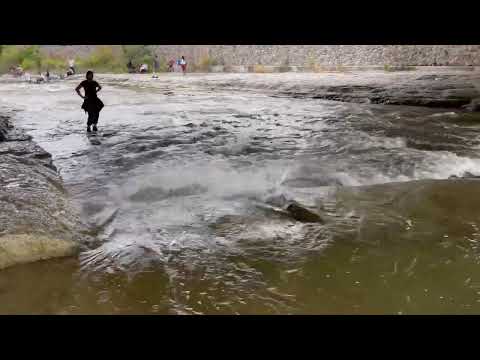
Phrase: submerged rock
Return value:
(302, 214)
(473, 106)
(293, 209)
(465, 175)
(4, 125)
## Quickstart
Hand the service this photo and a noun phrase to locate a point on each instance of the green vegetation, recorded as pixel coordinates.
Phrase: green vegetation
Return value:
(139, 54)
(107, 59)
(103, 59)
(30, 58)
(54, 63)
(390, 68)
(162, 65)
(26, 56)
(114, 59)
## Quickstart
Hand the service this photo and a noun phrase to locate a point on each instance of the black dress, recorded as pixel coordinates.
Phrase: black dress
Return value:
(91, 104)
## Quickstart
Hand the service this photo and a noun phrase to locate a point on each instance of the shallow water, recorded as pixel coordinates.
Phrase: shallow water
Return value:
(187, 186)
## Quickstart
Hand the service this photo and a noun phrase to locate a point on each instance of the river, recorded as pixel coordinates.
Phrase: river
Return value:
(187, 186)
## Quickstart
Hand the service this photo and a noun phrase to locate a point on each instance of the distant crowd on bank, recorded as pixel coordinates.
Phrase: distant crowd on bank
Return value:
(179, 65)
(173, 66)
(18, 71)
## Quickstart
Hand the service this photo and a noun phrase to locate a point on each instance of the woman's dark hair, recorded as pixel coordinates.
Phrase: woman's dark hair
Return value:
(89, 72)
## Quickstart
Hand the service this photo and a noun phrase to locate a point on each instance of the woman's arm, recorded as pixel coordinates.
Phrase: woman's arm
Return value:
(77, 89)
(99, 88)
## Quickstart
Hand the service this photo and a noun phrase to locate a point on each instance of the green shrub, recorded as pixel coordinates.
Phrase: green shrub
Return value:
(260, 69)
(162, 65)
(138, 54)
(398, 68)
(103, 59)
(29, 64)
(13, 55)
(55, 64)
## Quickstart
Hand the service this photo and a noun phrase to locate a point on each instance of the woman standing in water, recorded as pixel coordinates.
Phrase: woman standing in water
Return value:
(91, 104)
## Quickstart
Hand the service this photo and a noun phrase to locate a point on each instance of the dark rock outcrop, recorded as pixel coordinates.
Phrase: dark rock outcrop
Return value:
(473, 106)
(302, 214)
(36, 221)
(465, 175)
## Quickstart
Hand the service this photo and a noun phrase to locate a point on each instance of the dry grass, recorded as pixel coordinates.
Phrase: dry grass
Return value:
(262, 69)
(318, 68)
(259, 69)
(204, 64)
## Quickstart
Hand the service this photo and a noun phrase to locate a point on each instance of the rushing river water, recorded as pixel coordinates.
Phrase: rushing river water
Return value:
(189, 183)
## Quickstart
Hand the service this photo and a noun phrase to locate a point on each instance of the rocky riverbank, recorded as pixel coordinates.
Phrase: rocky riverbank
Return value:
(36, 221)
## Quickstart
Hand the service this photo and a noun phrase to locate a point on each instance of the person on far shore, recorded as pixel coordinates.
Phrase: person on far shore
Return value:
(143, 68)
(28, 77)
(170, 65)
(71, 65)
(18, 71)
(183, 64)
(91, 104)
(130, 66)
(156, 64)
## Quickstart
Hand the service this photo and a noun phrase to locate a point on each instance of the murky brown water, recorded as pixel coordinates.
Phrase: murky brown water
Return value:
(190, 184)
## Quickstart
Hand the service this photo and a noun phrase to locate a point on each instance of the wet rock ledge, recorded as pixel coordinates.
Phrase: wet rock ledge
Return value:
(442, 88)
(36, 221)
